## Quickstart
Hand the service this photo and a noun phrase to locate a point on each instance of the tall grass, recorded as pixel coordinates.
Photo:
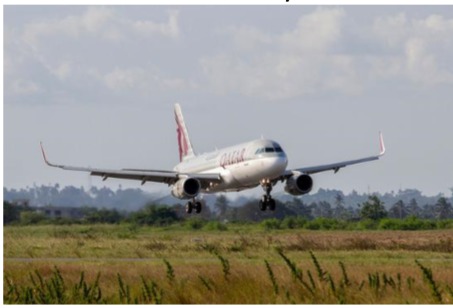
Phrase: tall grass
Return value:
(170, 271)
(335, 285)
(243, 265)
(53, 290)
(428, 277)
(271, 277)
(225, 265)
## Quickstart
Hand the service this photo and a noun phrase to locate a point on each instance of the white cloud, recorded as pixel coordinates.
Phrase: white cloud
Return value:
(120, 79)
(246, 37)
(147, 27)
(92, 22)
(434, 27)
(24, 87)
(325, 50)
(421, 65)
(101, 22)
(390, 30)
(417, 47)
(315, 32)
(70, 51)
(315, 56)
(300, 60)
(63, 70)
(144, 80)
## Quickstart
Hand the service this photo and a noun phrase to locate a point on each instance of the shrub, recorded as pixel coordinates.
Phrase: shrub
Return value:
(313, 225)
(215, 226)
(29, 217)
(292, 222)
(445, 224)
(414, 223)
(410, 223)
(271, 224)
(390, 224)
(367, 224)
(155, 215)
(195, 223)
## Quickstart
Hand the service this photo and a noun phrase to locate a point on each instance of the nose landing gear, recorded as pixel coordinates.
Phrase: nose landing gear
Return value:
(267, 201)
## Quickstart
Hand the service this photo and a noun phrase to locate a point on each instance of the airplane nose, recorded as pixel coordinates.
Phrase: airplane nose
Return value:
(284, 161)
(280, 163)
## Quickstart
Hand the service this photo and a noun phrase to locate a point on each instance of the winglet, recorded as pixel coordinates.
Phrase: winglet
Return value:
(44, 156)
(381, 144)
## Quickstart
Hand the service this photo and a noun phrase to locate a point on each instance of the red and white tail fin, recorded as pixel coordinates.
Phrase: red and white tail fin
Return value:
(185, 146)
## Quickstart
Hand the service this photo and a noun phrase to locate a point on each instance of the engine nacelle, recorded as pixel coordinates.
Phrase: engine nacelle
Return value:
(299, 184)
(186, 188)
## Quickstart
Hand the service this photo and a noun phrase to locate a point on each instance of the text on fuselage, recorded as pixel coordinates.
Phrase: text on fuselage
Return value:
(232, 158)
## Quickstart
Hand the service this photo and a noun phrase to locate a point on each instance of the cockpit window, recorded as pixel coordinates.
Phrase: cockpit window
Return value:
(270, 149)
(277, 147)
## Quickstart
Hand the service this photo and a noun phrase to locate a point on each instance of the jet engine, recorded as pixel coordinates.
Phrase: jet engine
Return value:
(186, 188)
(299, 184)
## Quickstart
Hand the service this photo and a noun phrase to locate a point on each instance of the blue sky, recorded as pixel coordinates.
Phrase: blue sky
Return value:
(97, 85)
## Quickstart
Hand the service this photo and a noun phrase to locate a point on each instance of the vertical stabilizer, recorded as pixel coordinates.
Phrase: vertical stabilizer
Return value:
(184, 144)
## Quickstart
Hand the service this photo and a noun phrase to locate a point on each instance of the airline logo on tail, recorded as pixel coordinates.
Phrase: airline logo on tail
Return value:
(185, 147)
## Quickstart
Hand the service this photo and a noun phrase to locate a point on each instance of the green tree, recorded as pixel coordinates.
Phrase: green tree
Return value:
(298, 206)
(221, 204)
(428, 211)
(443, 209)
(398, 210)
(413, 209)
(155, 215)
(103, 215)
(250, 212)
(31, 217)
(340, 211)
(322, 209)
(11, 213)
(373, 209)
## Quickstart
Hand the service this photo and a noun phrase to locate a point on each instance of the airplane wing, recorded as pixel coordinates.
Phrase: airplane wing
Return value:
(160, 176)
(336, 166)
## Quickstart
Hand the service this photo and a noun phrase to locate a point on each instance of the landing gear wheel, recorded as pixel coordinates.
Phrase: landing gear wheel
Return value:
(189, 207)
(271, 204)
(198, 207)
(267, 200)
(263, 205)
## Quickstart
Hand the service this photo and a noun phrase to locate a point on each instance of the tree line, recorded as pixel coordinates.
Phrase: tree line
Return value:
(294, 213)
(134, 199)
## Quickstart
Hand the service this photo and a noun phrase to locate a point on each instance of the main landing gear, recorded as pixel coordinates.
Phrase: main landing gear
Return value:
(193, 205)
(267, 201)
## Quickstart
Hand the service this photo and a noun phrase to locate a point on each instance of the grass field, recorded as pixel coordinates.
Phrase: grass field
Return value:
(243, 265)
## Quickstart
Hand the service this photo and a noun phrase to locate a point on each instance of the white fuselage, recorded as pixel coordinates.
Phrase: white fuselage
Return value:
(241, 166)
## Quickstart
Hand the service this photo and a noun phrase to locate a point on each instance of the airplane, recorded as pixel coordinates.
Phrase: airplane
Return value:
(247, 165)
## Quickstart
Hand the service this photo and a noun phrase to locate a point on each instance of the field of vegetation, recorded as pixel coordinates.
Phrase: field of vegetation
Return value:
(213, 263)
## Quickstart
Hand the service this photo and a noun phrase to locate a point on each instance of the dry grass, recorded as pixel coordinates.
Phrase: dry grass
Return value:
(104, 241)
(379, 266)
